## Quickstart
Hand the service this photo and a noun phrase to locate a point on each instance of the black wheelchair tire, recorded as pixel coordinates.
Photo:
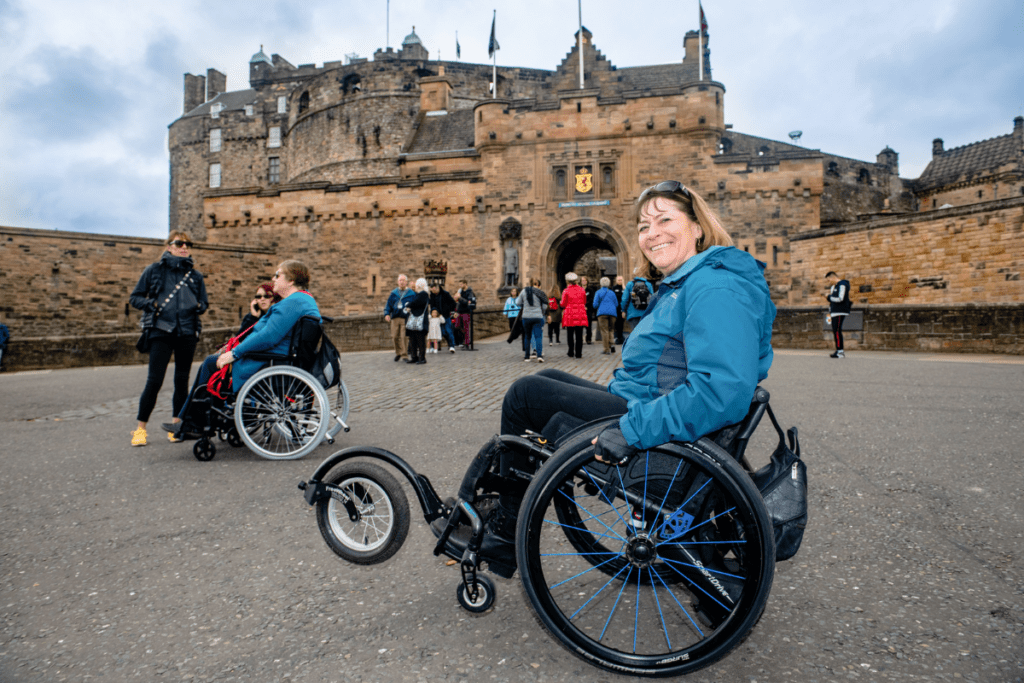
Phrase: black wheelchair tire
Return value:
(747, 516)
(204, 450)
(373, 486)
(485, 596)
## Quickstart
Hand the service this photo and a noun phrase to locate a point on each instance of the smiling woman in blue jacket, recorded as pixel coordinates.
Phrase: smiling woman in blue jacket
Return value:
(691, 364)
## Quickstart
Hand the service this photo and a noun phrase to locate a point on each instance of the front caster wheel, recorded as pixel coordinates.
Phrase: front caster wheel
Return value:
(485, 595)
(365, 519)
(204, 450)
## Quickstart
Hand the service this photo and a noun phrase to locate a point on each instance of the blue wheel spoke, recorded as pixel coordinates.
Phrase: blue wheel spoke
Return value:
(605, 496)
(585, 571)
(611, 614)
(636, 608)
(657, 603)
(601, 522)
(693, 583)
(599, 591)
(695, 493)
(668, 491)
(584, 529)
(687, 613)
(706, 521)
(707, 569)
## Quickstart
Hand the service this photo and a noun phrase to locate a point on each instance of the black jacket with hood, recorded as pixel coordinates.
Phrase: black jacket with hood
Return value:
(180, 315)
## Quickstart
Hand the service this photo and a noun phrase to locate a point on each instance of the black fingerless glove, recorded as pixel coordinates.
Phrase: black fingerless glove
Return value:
(612, 447)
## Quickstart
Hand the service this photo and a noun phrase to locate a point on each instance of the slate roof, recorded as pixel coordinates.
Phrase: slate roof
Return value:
(751, 144)
(979, 158)
(451, 132)
(231, 100)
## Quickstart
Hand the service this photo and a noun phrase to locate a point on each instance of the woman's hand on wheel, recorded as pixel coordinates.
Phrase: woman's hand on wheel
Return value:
(611, 446)
(225, 358)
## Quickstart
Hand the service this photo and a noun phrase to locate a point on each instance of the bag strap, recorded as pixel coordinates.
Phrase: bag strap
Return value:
(177, 287)
(794, 440)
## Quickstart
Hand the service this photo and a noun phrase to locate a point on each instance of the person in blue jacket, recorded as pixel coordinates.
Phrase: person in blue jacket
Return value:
(606, 307)
(394, 314)
(628, 303)
(690, 367)
(270, 334)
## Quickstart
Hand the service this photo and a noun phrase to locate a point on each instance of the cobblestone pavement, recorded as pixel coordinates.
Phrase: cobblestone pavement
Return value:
(121, 564)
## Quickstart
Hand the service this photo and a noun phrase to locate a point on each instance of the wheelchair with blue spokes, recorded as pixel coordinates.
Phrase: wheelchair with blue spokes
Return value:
(282, 412)
(655, 567)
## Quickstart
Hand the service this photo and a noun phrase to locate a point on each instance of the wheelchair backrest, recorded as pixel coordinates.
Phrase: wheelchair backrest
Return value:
(304, 342)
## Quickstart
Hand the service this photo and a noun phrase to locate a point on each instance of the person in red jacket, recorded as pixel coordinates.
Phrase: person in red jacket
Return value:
(574, 314)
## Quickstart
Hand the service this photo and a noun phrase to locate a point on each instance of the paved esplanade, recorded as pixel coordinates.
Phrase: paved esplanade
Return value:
(144, 564)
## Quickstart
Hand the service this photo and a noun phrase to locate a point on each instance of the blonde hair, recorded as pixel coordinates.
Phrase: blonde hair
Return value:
(697, 210)
(178, 235)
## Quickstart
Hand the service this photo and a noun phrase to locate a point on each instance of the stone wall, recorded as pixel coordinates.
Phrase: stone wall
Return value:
(355, 333)
(65, 284)
(971, 254)
(953, 328)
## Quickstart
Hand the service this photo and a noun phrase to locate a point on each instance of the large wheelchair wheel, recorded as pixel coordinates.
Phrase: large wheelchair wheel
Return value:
(365, 519)
(282, 413)
(656, 568)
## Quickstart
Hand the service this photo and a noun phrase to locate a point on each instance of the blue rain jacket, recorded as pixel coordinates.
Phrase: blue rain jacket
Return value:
(693, 361)
(271, 334)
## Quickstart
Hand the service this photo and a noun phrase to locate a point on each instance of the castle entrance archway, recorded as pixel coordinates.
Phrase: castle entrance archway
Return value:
(584, 243)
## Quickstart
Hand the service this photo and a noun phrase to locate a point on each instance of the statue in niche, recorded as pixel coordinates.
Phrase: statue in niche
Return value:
(510, 232)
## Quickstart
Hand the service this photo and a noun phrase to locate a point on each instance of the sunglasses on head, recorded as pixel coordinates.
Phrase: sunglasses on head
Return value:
(666, 186)
(264, 296)
(180, 243)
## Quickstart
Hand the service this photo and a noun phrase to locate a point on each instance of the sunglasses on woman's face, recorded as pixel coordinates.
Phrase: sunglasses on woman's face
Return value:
(180, 244)
(263, 296)
(668, 187)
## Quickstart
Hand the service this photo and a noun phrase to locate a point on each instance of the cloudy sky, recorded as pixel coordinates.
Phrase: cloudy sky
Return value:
(88, 89)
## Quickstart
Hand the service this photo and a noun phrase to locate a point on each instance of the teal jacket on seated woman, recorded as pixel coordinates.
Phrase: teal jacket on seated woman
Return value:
(692, 363)
(271, 334)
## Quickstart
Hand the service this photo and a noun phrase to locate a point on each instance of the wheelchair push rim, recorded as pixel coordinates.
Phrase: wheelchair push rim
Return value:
(665, 566)
(282, 413)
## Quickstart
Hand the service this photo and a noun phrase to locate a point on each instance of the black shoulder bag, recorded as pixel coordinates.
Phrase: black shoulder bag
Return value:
(783, 486)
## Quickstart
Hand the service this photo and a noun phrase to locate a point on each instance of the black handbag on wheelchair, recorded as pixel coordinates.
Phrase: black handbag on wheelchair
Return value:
(783, 486)
(326, 367)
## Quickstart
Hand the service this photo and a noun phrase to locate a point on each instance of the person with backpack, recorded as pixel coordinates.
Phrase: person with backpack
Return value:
(839, 306)
(606, 306)
(635, 298)
(554, 315)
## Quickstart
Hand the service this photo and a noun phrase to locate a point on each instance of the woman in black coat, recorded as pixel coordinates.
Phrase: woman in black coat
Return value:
(171, 295)
(420, 305)
(260, 304)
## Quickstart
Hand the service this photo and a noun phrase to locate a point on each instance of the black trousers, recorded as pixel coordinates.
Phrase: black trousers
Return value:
(160, 352)
(574, 338)
(417, 345)
(550, 396)
(837, 330)
(554, 332)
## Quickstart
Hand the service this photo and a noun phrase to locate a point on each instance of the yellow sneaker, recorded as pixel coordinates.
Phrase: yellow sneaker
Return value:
(172, 438)
(139, 437)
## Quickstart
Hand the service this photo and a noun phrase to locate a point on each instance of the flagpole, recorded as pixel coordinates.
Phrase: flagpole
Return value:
(580, 43)
(494, 67)
(387, 24)
(700, 42)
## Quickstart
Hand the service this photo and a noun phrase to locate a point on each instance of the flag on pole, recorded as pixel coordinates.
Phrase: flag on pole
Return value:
(493, 46)
(458, 49)
(703, 23)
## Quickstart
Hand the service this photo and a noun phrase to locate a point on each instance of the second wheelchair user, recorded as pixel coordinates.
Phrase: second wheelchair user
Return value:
(270, 334)
(690, 367)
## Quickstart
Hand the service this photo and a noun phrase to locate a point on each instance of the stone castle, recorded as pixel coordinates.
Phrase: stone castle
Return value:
(370, 168)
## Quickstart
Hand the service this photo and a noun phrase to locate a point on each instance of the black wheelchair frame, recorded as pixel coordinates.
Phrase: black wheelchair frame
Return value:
(678, 534)
(281, 412)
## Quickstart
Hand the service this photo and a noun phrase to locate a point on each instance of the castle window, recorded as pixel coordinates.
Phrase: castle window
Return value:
(215, 140)
(764, 150)
(724, 146)
(864, 176)
(981, 193)
(304, 102)
(274, 172)
(607, 180)
(558, 188)
(833, 169)
(282, 105)
(274, 136)
(250, 110)
(214, 175)
(215, 109)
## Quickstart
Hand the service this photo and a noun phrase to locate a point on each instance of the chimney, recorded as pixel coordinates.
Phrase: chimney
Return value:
(195, 89)
(216, 83)
(1018, 128)
(937, 147)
